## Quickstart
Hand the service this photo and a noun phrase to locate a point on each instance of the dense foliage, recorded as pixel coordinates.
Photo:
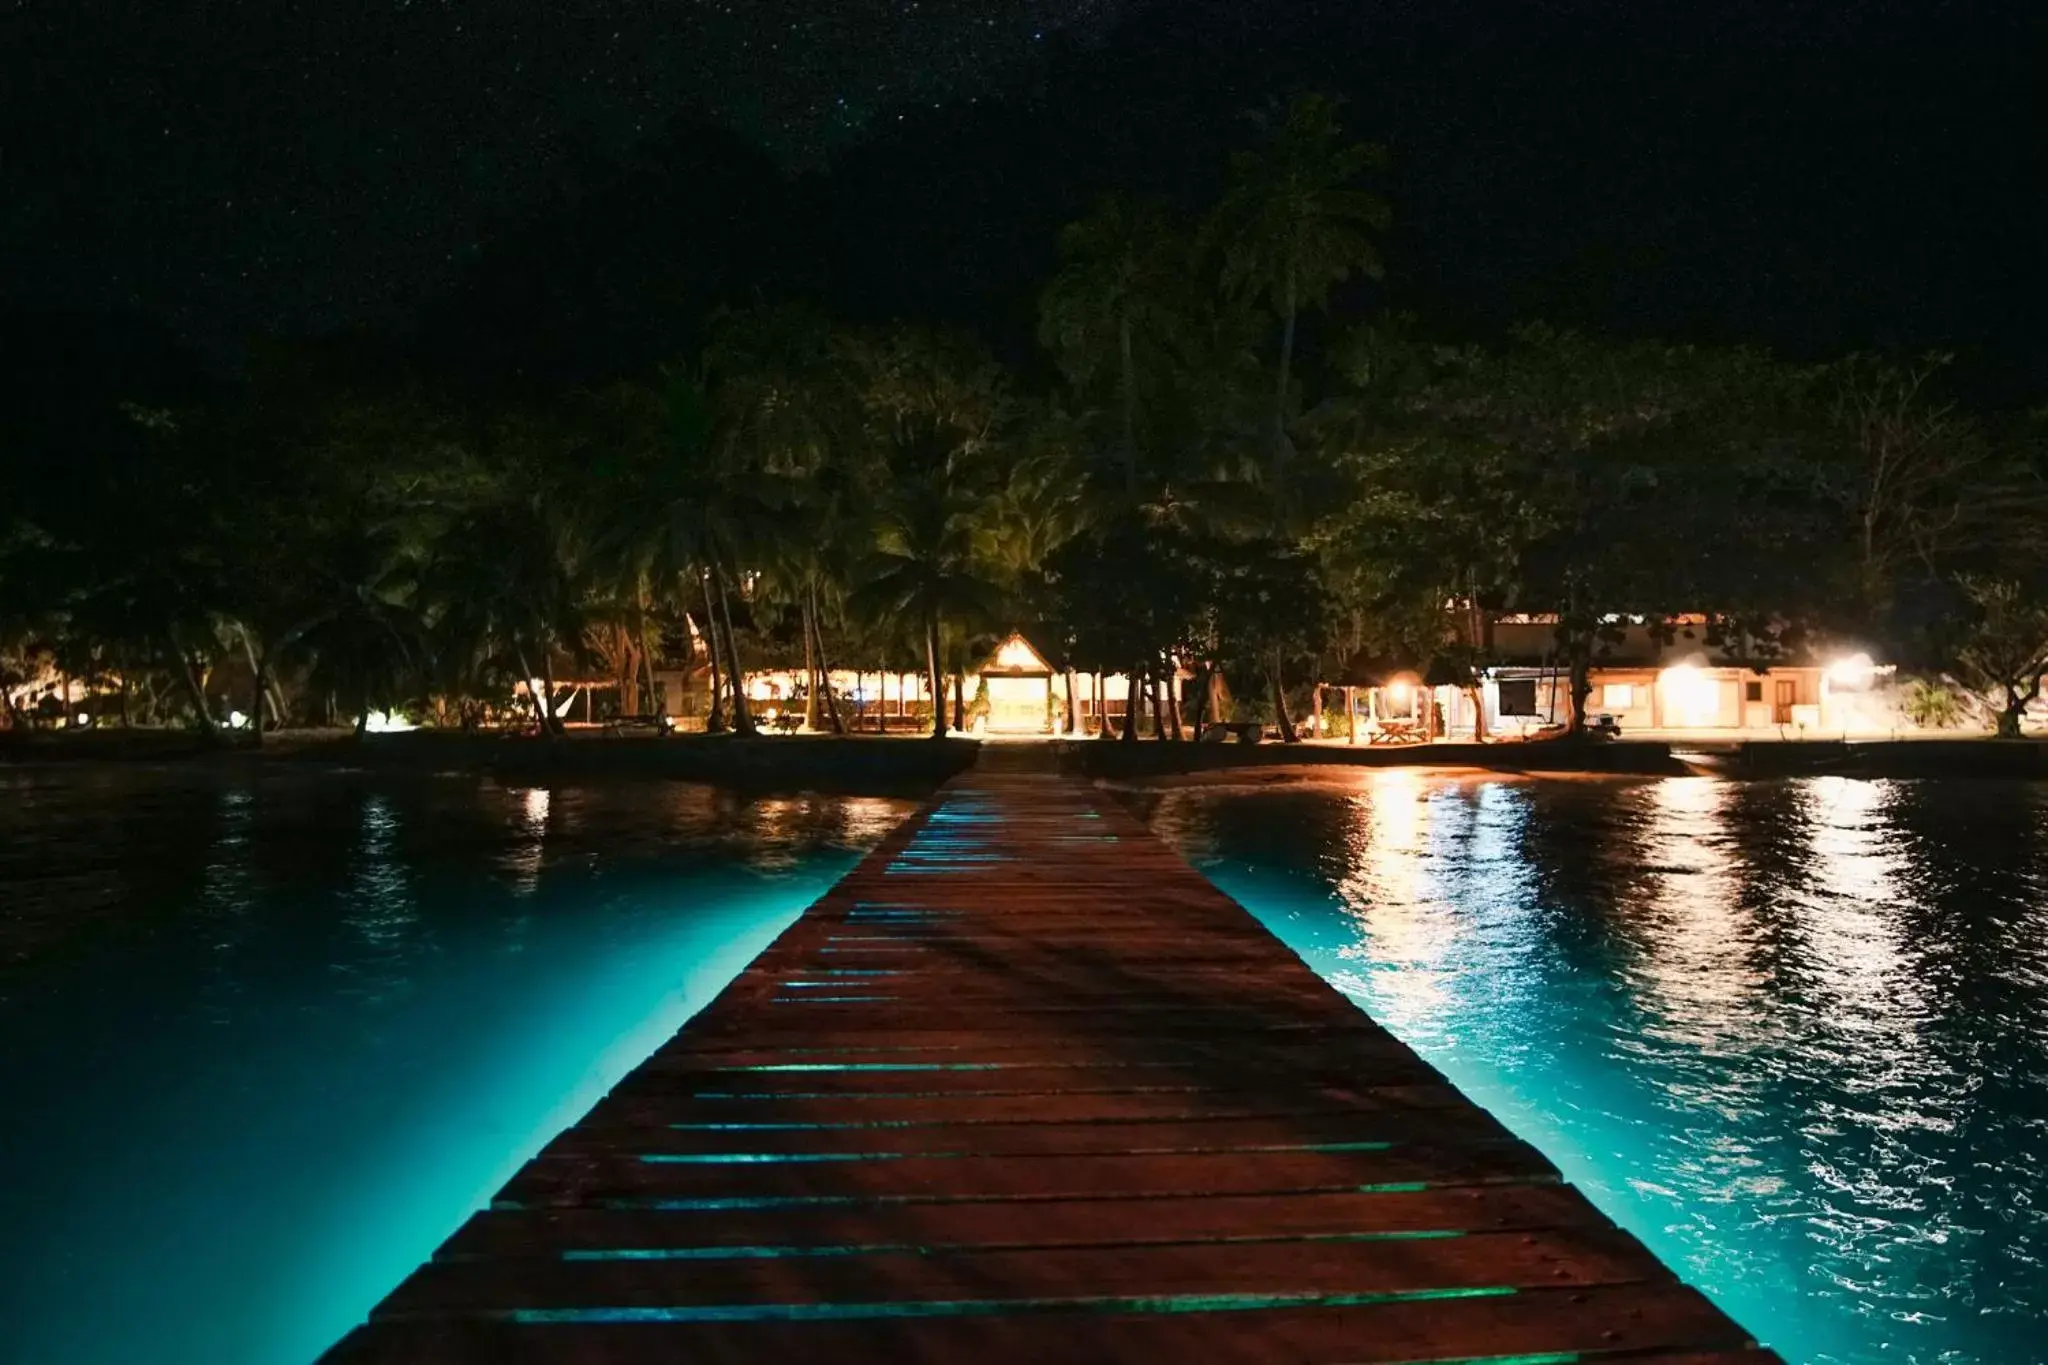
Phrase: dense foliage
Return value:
(1237, 472)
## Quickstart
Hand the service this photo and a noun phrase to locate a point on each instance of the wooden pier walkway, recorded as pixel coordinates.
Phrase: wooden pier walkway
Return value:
(1024, 1087)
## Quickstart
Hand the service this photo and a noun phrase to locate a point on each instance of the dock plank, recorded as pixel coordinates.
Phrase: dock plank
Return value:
(1023, 1086)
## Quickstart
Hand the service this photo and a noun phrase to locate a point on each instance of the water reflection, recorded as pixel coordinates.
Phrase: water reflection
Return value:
(523, 858)
(1789, 1033)
(1693, 946)
(266, 1042)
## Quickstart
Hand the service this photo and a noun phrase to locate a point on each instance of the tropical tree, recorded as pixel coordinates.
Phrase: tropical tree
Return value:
(1901, 471)
(1273, 617)
(2004, 651)
(681, 508)
(924, 567)
(1293, 224)
(366, 653)
(504, 584)
(788, 390)
(1122, 293)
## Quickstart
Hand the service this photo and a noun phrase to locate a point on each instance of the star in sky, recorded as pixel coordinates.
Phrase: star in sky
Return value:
(286, 163)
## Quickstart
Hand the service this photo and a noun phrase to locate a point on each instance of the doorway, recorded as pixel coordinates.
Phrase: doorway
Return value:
(1787, 692)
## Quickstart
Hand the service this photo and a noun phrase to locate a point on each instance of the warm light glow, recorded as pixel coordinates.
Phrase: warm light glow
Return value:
(1618, 696)
(388, 723)
(1018, 655)
(1690, 696)
(237, 721)
(1854, 671)
(1397, 693)
(84, 719)
(1688, 941)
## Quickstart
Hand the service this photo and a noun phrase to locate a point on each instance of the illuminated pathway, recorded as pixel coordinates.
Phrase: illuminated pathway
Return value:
(1025, 1087)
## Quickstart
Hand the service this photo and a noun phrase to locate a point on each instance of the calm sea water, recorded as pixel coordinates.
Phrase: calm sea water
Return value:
(264, 1044)
(1792, 1034)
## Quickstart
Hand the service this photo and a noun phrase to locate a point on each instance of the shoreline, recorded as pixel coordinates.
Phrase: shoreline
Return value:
(1180, 764)
(863, 765)
(905, 765)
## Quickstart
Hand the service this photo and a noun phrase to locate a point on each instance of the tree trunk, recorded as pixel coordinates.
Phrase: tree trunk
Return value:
(280, 705)
(1073, 704)
(1478, 699)
(2016, 703)
(938, 683)
(262, 698)
(960, 701)
(549, 727)
(714, 719)
(655, 705)
(1101, 722)
(363, 720)
(1201, 700)
(1134, 702)
(1287, 731)
(1173, 715)
(1582, 688)
(825, 666)
(259, 672)
(810, 665)
(1280, 449)
(195, 691)
(742, 720)
(1130, 397)
(525, 674)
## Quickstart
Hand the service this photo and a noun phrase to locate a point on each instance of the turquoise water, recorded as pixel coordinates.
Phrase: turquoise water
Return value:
(264, 1044)
(1792, 1034)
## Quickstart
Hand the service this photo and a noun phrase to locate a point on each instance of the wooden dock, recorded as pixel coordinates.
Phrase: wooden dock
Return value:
(1024, 1087)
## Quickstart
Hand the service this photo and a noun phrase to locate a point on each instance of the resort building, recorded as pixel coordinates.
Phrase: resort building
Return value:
(1015, 691)
(1642, 682)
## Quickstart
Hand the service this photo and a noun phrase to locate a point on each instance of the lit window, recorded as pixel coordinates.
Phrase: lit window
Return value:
(1618, 696)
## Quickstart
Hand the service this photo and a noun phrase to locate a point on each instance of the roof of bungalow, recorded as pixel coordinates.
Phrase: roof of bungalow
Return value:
(1016, 657)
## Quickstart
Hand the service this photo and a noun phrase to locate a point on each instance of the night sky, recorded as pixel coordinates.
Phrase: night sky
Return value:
(1817, 176)
(279, 163)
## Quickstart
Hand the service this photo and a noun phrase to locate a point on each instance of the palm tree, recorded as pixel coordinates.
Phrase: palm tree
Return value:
(1122, 286)
(924, 570)
(1292, 225)
(925, 567)
(789, 398)
(1041, 504)
(504, 585)
(682, 512)
(366, 652)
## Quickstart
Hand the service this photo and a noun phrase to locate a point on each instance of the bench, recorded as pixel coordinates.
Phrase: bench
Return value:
(621, 725)
(1395, 732)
